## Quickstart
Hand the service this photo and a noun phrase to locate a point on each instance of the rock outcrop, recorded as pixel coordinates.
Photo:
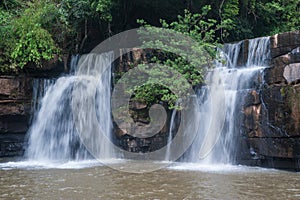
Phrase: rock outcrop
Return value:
(139, 111)
(16, 89)
(15, 106)
(271, 118)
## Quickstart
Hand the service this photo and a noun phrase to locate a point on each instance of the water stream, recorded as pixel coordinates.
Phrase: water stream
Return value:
(236, 80)
(53, 134)
(170, 134)
(178, 182)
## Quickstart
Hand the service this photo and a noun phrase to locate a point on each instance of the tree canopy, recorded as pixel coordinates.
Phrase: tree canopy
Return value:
(37, 30)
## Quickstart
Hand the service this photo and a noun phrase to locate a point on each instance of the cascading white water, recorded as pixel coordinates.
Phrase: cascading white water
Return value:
(232, 53)
(40, 86)
(53, 134)
(92, 95)
(170, 134)
(258, 52)
(235, 80)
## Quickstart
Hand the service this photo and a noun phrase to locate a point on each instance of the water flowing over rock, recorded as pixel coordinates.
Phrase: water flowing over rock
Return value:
(271, 125)
(262, 107)
(171, 133)
(53, 134)
(237, 81)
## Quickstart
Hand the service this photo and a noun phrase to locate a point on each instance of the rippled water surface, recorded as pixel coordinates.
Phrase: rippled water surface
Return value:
(90, 180)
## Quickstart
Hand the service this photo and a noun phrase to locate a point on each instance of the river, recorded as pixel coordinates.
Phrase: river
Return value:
(91, 180)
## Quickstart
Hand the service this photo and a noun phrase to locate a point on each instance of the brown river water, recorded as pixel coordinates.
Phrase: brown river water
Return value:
(91, 180)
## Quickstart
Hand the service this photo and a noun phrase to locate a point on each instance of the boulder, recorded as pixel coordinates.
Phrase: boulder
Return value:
(275, 147)
(284, 43)
(282, 68)
(291, 72)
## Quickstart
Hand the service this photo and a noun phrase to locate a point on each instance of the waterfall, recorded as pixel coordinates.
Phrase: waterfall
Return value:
(232, 53)
(40, 86)
(236, 80)
(258, 52)
(53, 134)
(91, 103)
(170, 135)
(65, 109)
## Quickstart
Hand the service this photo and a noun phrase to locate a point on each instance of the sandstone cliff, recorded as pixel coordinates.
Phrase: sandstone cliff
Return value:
(271, 116)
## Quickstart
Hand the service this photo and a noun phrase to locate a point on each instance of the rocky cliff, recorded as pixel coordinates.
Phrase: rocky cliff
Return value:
(138, 110)
(270, 136)
(15, 106)
(16, 92)
(270, 116)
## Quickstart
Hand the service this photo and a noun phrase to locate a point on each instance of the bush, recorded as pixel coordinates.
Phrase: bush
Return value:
(189, 58)
(25, 39)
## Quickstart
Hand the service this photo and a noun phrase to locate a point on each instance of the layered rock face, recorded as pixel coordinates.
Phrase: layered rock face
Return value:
(270, 136)
(15, 106)
(138, 110)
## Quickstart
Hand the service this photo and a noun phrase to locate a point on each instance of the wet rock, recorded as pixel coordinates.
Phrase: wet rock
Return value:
(51, 68)
(284, 43)
(252, 98)
(130, 58)
(274, 75)
(251, 121)
(13, 124)
(275, 147)
(136, 105)
(11, 145)
(281, 118)
(282, 68)
(291, 72)
(270, 133)
(15, 103)
(15, 107)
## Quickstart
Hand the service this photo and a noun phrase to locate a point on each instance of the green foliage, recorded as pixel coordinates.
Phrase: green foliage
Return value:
(34, 31)
(229, 14)
(278, 16)
(196, 26)
(76, 11)
(154, 93)
(103, 7)
(5, 28)
(159, 83)
(34, 45)
(268, 17)
(189, 54)
(255, 18)
(33, 42)
(25, 38)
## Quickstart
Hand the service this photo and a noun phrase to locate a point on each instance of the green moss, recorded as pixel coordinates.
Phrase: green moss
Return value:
(292, 95)
(282, 91)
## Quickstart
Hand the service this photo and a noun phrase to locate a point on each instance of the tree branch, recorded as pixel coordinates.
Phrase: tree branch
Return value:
(221, 19)
(85, 34)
